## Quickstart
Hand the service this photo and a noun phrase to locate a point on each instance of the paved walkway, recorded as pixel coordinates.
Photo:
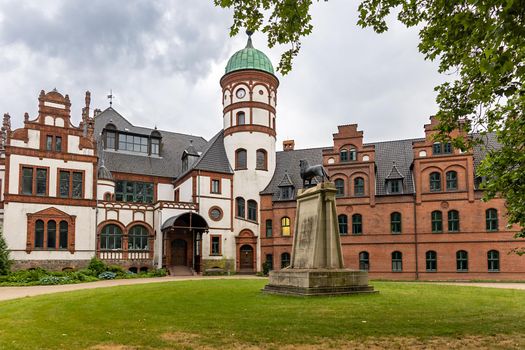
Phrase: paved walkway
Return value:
(7, 293)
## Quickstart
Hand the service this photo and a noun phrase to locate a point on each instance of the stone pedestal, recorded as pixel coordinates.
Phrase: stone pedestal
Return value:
(317, 266)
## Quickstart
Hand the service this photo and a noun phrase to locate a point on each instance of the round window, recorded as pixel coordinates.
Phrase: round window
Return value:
(215, 213)
(241, 93)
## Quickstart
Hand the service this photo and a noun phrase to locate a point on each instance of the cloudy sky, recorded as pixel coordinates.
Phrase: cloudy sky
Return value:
(163, 60)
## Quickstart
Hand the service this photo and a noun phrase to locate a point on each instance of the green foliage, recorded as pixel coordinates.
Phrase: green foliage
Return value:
(266, 268)
(214, 314)
(157, 273)
(107, 275)
(5, 261)
(480, 43)
(97, 266)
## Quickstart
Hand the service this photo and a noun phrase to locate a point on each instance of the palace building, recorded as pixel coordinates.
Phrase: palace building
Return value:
(146, 198)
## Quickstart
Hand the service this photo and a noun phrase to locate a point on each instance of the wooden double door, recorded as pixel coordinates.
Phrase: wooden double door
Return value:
(246, 258)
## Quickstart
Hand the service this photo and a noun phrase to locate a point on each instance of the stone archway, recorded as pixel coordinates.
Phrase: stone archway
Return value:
(246, 244)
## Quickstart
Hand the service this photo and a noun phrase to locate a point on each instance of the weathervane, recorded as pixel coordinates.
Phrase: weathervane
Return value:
(110, 96)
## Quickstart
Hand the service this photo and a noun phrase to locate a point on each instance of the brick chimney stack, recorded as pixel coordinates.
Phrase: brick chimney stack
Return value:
(288, 145)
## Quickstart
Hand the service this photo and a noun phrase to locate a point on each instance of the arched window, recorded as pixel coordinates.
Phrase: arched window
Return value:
(435, 182)
(352, 154)
(343, 224)
(63, 238)
(493, 260)
(395, 222)
(343, 155)
(39, 234)
(285, 260)
(241, 118)
(357, 224)
(110, 134)
(111, 237)
(453, 221)
(452, 180)
(261, 160)
(252, 210)
(359, 186)
(240, 207)
(240, 159)
(138, 238)
(461, 261)
(285, 226)
(51, 234)
(107, 197)
(364, 261)
(397, 261)
(269, 228)
(491, 219)
(431, 261)
(437, 221)
(340, 187)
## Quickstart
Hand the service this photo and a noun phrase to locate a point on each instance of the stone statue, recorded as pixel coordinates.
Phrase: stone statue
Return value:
(308, 173)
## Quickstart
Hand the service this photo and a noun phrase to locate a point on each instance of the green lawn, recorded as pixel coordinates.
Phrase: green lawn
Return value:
(234, 313)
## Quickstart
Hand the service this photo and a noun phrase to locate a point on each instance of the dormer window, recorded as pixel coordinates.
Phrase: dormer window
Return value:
(286, 192)
(394, 186)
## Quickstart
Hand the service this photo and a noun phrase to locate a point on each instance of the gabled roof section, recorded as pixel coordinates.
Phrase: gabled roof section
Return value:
(190, 150)
(394, 174)
(213, 157)
(286, 181)
(169, 164)
(287, 169)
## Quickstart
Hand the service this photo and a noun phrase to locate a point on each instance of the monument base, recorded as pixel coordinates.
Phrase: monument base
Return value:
(318, 282)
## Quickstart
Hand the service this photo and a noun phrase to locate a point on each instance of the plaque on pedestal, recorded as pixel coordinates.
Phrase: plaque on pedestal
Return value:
(317, 266)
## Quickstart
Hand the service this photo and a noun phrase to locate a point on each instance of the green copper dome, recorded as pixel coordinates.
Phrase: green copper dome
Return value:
(249, 58)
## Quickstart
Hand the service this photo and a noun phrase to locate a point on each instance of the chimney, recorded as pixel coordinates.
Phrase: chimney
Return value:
(288, 145)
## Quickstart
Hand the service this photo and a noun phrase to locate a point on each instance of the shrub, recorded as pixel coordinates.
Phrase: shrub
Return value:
(116, 269)
(158, 273)
(50, 280)
(5, 262)
(266, 268)
(87, 272)
(107, 275)
(97, 266)
(25, 276)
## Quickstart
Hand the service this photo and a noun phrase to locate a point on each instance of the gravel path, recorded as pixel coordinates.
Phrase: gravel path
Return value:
(7, 293)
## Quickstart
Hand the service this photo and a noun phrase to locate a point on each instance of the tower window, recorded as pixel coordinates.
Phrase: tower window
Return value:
(240, 159)
(262, 160)
(241, 118)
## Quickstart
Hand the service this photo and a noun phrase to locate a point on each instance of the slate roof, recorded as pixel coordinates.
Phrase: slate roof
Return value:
(169, 164)
(287, 164)
(213, 157)
(394, 173)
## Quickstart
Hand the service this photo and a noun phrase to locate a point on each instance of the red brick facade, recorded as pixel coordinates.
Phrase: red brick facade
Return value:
(416, 236)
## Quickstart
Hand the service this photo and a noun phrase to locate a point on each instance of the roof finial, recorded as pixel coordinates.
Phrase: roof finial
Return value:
(110, 96)
(249, 43)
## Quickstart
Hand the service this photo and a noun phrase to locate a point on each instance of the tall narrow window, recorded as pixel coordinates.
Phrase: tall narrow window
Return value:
(58, 144)
(343, 224)
(39, 234)
(285, 226)
(252, 210)
(240, 159)
(343, 155)
(64, 184)
(269, 262)
(215, 186)
(435, 182)
(364, 261)
(49, 143)
(285, 260)
(110, 140)
(431, 261)
(437, 221)
(77, 185)
(357, 224)
(493, 260)
(241, 118)
(452, 180)
(397, 261)
(240, 207)
(352, 154)
(51, 234)
(447, 148)
(155, 146)
(41, 182)
(395, 222)
(491, 219)
(461, 261)
(359, 186)
(27, 180)
(261, 160)
(111, 237)
(340, 187)
(62, 244)
(269, 228)
(215, 245)
(138, 238)
(436, 148)
(453, 221)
